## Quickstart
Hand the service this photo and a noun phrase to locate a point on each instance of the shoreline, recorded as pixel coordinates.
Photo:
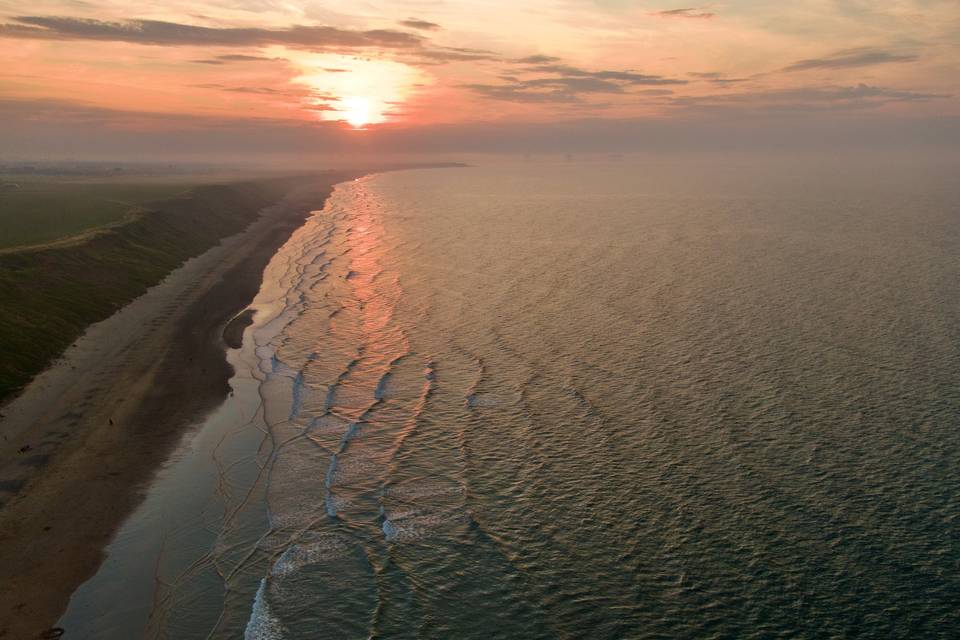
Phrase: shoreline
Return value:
(113, 408)
(233, 333)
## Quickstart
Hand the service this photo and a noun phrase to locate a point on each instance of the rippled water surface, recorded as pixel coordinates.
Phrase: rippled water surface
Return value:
(577, 401)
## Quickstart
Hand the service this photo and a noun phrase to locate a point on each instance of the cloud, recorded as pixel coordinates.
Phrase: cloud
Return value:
(537, 59)
(239, 57)
(416, 23)
(236, 57)
(443, 55)
(561, 83)
(626, 77)
(320, 106)
(573, 85)
(266, 91)
(851, 58)
(66, 113)
(519, 93)
(828, 98)
(156, 32)
(717, 78)
(728, 81)
(259, 90)
(688, 12)
(567, 85)
(78, 117)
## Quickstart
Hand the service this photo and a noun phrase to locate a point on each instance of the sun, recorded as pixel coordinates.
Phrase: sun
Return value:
(356, 111)
(355, 91)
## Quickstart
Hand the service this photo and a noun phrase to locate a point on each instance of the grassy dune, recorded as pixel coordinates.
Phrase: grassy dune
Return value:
(49, 296)
(39, 211)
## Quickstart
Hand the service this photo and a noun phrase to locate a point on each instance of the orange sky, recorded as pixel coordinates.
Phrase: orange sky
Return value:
(419, 63)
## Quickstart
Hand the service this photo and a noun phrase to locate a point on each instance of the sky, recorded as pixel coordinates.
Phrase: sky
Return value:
(200, 78)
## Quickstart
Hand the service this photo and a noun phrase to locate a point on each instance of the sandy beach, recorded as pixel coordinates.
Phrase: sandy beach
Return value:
(86, 436)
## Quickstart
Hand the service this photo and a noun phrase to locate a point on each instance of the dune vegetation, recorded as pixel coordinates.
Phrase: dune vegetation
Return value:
(36, 211)
(50, 294)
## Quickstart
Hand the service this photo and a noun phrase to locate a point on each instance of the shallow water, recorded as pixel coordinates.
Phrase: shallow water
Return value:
(602, 400)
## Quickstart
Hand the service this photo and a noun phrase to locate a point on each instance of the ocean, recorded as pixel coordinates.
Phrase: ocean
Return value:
(654, 398)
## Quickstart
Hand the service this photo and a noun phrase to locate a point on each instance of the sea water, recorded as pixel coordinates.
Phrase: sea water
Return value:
(654, 399)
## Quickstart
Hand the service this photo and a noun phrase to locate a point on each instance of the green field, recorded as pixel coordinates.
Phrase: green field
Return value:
(49, 295)
(41, 211)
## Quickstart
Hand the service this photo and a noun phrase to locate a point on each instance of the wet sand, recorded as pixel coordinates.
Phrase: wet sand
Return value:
(86, 437)
(233, 332)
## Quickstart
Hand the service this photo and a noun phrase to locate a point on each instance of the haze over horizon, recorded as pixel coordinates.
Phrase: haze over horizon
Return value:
(211, 79)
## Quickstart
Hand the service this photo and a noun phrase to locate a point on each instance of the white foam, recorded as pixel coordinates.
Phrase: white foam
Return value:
(263, 625)
(411, 525)
(301, 555)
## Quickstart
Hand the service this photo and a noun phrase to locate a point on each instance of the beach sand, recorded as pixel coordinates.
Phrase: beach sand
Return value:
(85, 438)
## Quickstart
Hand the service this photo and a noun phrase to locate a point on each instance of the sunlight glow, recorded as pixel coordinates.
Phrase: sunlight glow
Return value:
(356, 111)
(355, 90)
